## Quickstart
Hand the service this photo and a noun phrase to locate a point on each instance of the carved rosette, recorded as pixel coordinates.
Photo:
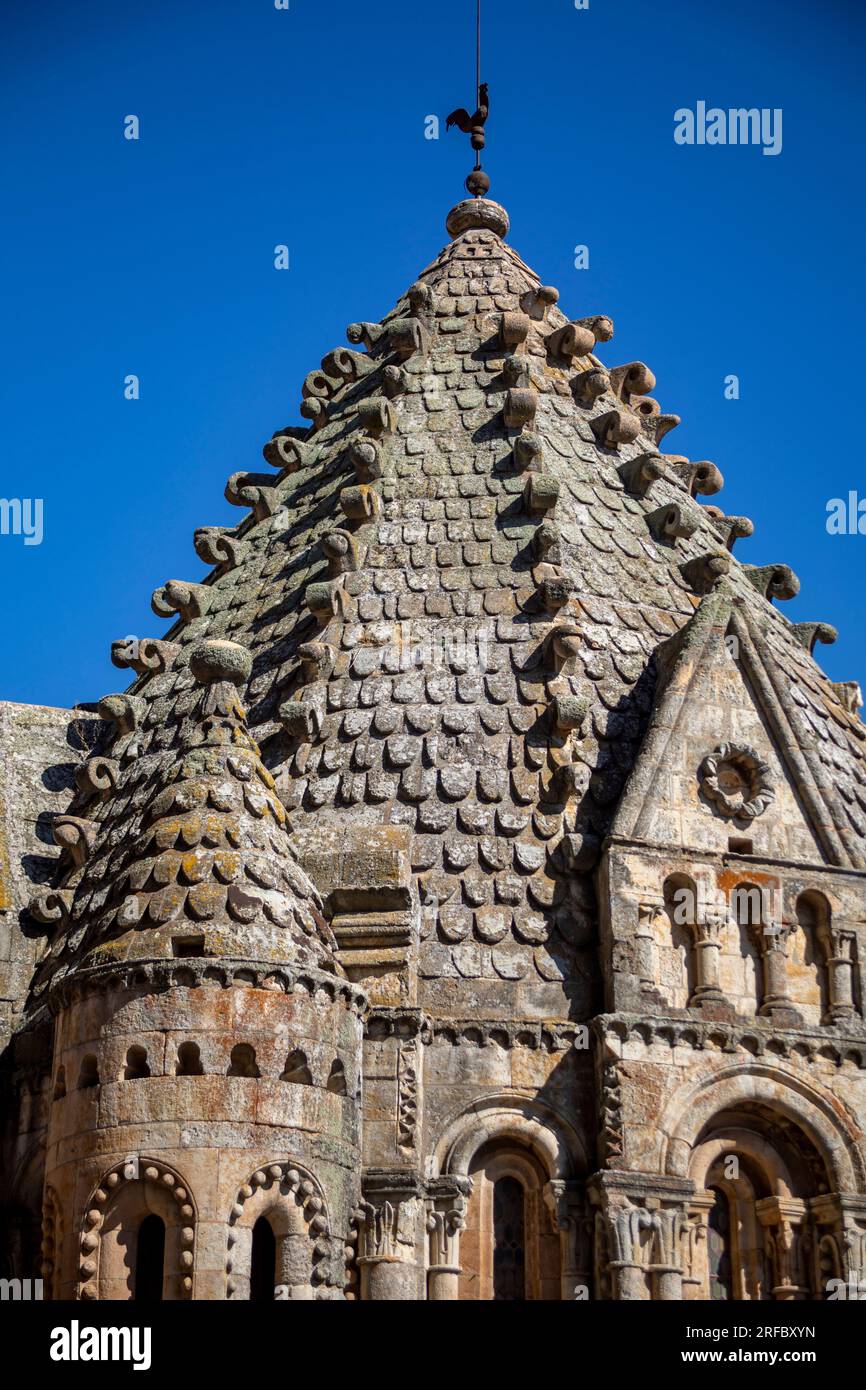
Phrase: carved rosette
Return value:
(737, 781)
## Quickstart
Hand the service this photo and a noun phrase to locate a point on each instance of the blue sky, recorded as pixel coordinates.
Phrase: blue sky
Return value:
(306, 127)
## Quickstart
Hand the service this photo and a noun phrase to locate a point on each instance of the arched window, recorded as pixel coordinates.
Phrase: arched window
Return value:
(719, 1258)
(509, 1253)
(263, 1262)
(189, 1060)
(675, 940)
(337, 1079)
(811, 953)
(297, 1071)
(136, 1064)
(509, 1250)
(243, 1061)
(149, 1260)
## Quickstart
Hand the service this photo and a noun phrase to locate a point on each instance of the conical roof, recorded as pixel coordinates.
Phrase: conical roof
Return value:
(453, 580)
(205, 868)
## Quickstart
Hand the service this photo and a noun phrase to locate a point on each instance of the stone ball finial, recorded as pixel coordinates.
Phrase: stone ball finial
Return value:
(218, 660)
(477, 214)
(478, 183)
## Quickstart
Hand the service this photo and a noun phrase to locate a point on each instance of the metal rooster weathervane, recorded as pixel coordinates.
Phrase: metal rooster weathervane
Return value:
(478, 182)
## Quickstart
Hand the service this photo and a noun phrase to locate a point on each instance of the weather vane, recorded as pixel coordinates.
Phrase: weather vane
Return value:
(478, 182)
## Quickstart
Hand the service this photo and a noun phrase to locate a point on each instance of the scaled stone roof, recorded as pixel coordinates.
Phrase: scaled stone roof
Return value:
(207, 859)
(452, 582)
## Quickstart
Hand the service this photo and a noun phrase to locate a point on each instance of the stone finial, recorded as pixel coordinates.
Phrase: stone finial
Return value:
(300, 719)
(406, 337)
(327, 599)
(569, 713)
(546, 541)
(366, 459)
(477, 214)
(143, 654)
(125, 712)
(615, 427)
(808, 634)
(51, 908)
(638, 475)
(514, 329)
(360, 503)
(562, 644)
(177, 596)
(218, 545)
(340, 549)
(97, 777)
(527, 451)
(536, 302)
(254, 490)
(376, 415)
(517, 370)
(343, 364)
(599, 325)
(632, 379)
(731, 528)
(287, 453)
(217, 660)
(394, 381)
(75, 836)
(573, 340)
(422, 298)
(654, 424)
(368, 334)
(773, 581)
(317, 660)
(850, 695)
(672, 522)
(704, 571)
(521, 404)
(700, 477)
(541, 493)
(554, 588)
(589, 385)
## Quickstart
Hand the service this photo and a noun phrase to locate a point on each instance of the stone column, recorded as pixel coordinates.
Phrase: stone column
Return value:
(838, 945)
(708, 951)
(294, 1268)
(566, 1202)
(668, 1226)
(389, 1220)
(840, 1231)
(773, 944)
(446, 1218)
(783, 1220)
(644, 1217)
(644, 945)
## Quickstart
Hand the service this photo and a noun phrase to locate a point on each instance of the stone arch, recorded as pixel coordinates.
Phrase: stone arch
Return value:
(519, 1156)
(503, 1117)
(292, 1201)
(126, 1194)
(692, 1108)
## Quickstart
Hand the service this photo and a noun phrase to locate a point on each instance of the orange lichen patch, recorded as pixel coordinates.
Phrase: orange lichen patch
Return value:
(729, 879)
(5, 869)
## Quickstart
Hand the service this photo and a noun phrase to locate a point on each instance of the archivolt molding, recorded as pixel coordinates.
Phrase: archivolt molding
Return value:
(104, 1197)
(504, 1117)
(292, 1198)
(820, 1115)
